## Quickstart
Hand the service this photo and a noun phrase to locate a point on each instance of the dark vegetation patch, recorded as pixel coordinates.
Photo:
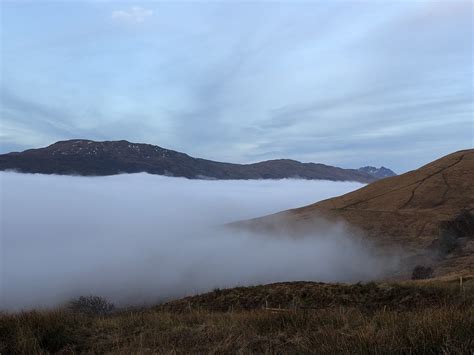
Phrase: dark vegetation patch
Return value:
(426, 317)
(462, 226)
(421, 272)
(450, 232)
(92, 305)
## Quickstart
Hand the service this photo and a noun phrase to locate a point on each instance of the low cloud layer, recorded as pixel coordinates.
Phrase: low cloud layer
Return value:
(142, 238)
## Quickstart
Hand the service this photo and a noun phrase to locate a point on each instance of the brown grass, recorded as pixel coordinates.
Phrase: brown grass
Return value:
(442, 324)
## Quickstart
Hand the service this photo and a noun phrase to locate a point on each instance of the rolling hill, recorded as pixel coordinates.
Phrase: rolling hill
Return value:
(427, 212)
(90, 158)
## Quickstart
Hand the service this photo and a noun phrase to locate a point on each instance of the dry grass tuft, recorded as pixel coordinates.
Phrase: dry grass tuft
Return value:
(440, 320)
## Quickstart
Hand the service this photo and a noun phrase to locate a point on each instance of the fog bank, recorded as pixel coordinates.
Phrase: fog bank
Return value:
(144, 238)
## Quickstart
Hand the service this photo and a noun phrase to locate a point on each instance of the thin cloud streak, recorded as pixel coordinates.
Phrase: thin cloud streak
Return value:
(135, 14)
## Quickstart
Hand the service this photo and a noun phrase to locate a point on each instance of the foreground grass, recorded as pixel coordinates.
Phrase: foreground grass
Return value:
(439, 321)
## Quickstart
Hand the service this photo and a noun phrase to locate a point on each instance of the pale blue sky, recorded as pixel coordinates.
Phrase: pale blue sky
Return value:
(343, 83)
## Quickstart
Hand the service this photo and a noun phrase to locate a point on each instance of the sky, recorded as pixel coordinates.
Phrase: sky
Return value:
(343, 83)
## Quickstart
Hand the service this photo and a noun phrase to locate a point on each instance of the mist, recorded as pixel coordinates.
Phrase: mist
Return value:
(140, 239)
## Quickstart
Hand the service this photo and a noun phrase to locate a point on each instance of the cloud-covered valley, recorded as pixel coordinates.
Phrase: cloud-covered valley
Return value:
(142, 238)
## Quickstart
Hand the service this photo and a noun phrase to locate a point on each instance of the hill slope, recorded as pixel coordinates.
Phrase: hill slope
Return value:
(85, 157)
(426, 209)
(284, 318)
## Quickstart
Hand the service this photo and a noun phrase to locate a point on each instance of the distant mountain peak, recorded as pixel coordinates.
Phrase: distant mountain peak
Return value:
(379, 173)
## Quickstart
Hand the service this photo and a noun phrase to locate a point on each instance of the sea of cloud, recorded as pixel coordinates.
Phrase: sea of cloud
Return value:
(142, 238)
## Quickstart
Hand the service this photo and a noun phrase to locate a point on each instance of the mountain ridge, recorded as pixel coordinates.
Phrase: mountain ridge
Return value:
(92, 158)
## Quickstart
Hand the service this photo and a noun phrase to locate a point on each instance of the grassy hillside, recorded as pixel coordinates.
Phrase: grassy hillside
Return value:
(302, 317)
(428, 212)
